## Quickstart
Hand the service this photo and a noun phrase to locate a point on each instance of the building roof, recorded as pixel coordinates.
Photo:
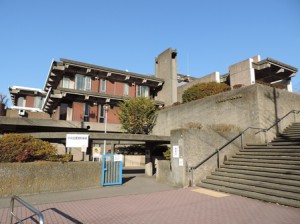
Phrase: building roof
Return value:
(28, 91)
(65, 65)
(270, 70)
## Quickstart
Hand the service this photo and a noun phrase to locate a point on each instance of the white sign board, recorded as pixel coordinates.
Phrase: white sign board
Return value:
(118, 157)
(175, 151)
(180, 162)
(77, 140)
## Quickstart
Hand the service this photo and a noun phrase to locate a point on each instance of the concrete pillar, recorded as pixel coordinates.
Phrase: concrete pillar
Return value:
(243, 73)
(179, 169)
(166, 68)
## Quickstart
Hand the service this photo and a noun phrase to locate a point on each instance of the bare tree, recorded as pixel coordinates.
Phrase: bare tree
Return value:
(3, 99)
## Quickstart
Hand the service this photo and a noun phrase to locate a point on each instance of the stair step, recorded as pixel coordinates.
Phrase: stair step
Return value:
(266, 146)
(254, 195)
(259, 178)
(271, 149)
(260, 174)
(257, 183)
(278, 161)
(264, 153)
(262, 190)
(291, 158)
(271, 165)
(263, 169)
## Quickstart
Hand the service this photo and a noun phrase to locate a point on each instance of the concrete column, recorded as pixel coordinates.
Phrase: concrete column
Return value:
(166, 68)
(179, 169)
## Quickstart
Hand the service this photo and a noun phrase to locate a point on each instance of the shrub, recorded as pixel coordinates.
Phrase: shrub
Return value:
(202, 90)
(24, 148)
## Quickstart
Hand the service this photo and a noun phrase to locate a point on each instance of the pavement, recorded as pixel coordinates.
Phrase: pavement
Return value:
(140, 199)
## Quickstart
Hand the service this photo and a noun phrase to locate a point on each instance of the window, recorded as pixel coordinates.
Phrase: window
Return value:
(66, 82)
(103, 86)
(38, 100)
(126, 89)
(63, 111)
(86, 116)
(142, 91)
(83, 82)
(21, 101)
(101, 120)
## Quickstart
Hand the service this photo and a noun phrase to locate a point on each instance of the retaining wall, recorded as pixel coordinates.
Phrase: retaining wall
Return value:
(255, 105)
(29, 178)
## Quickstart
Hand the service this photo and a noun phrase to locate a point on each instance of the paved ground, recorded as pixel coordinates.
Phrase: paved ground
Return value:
(142, 200)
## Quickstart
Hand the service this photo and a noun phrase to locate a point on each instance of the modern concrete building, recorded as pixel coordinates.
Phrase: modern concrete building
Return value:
(77, 95)
(27, 99)
(250, 71)
(78, 91)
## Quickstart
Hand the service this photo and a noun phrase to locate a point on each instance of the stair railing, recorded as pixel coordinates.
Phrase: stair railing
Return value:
(217, 151)
(27, 205)
(277, 122)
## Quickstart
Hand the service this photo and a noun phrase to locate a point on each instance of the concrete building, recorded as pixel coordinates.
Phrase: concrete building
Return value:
(76, 95)
(248, 72)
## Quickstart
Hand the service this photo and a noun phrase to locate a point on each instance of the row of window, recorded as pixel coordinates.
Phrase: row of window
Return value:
(83, 82)
(38, 102)
(86, 113)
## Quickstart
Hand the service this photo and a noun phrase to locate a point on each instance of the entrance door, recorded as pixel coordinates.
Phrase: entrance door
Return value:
(111, 169)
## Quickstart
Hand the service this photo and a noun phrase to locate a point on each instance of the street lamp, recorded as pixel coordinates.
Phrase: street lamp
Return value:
(105, 107)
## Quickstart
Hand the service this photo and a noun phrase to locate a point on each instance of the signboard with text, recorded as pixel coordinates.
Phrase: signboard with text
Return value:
(77, 140)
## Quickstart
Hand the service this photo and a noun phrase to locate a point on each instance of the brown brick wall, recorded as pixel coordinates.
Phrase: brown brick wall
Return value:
(78, 109)
(29, 101)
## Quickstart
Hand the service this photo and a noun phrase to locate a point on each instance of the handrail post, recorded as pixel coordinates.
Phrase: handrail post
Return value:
(12, 205)
(266, 135)
(242, 140)
(218, 158)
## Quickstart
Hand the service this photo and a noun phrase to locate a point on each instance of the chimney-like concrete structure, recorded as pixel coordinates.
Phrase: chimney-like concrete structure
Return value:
(166, 68)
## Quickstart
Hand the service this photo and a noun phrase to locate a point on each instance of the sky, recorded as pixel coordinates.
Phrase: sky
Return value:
(209, 35)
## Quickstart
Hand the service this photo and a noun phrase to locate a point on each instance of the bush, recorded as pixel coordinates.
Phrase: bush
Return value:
(24, 148)
(201, 90)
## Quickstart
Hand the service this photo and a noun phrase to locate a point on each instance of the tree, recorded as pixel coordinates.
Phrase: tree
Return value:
(202, 90)
(3, 99)
(137, 115)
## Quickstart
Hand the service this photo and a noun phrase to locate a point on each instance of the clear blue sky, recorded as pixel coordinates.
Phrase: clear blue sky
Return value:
(128, 34)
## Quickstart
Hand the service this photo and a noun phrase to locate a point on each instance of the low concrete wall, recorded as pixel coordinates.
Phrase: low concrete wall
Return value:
(29, 178)
(196, 145)
(34, 115)
(134, 160)
(163, 171)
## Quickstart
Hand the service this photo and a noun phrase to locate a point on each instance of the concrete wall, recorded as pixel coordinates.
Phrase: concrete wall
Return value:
(166, 68)
(34, 115)
(28, 178)
(213, 77)
(196, 145)
(134, 160)
(243, 72)
(248, 106)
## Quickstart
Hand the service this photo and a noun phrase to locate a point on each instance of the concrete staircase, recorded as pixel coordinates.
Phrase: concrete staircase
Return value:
(268, 172)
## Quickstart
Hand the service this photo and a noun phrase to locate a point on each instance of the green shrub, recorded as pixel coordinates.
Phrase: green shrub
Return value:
(201, 90)
(24, 148)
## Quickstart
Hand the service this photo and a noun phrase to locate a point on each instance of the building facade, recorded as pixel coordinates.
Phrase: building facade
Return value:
(79, 91)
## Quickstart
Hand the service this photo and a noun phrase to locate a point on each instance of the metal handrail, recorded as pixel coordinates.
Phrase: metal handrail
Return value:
(265, 130)
(222, 147)
(280, 119)
(27, 205)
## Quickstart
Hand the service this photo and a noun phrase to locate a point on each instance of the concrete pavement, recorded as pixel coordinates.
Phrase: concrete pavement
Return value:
(142, 200)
